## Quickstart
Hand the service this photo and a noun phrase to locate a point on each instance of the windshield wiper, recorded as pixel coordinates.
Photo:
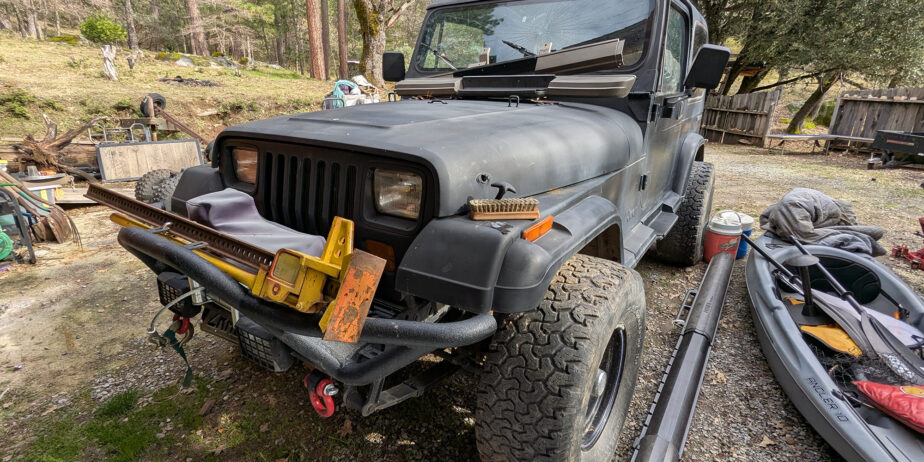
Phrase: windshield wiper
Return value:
(439, 55)
(520, 48)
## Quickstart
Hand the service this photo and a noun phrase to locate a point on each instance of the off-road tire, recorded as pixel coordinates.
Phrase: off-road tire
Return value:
(144, 189)
(163, 191)
(540, 367)
(683, 245)
(159, 101)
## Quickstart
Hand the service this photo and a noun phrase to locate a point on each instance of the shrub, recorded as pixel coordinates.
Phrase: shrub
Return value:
(17, 96)
(18, 111)
(125, 104)
(14, 103)
(51, 104)
(100, 29)
(217, 54)
(243, 61)
(69, 39)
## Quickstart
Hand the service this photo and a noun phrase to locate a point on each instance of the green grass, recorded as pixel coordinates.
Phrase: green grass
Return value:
(71, 77)
(120, 427)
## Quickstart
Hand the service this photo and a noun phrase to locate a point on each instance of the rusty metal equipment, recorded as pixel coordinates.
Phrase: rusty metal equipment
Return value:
(916, 257)
(340, 283)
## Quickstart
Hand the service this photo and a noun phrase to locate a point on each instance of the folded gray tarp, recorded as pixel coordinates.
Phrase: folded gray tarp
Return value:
(816, 218)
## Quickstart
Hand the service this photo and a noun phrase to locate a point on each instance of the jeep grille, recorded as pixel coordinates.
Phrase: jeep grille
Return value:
(306, 192)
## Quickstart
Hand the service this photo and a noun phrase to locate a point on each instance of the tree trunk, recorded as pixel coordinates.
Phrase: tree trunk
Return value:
(130, 26)
(748, 84)
(825, 82)
(5, 22)
(155, 10)
(325, 36)
(733, 73)
(32, 25)
(315, 42)
(109, 54)
(280, 39)
(370, 16)
(47, 152)
(196, 33)
(896, 79)
(342, 50)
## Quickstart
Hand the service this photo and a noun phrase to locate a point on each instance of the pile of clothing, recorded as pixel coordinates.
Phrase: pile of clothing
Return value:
(351, 92)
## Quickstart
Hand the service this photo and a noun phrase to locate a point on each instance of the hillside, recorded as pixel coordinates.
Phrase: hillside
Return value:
(66, 82)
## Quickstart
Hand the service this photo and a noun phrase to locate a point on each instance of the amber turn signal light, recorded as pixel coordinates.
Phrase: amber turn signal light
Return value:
(539, 229)
(382, 250)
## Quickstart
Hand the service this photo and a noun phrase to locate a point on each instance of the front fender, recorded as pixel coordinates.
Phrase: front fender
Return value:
(690, 150)
(485, 266)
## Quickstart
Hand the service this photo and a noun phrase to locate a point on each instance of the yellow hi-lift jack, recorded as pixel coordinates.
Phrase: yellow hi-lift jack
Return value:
(341, 282)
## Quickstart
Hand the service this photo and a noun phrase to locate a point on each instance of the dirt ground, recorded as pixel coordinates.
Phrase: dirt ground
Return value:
(79, 381)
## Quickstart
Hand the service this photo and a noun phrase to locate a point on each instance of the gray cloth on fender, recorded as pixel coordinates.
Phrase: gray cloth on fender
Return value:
(233, 212)
(816, 218)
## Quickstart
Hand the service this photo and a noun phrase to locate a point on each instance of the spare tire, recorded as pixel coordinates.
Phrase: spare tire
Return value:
(159, 101)
(144, 189)
(163, 191)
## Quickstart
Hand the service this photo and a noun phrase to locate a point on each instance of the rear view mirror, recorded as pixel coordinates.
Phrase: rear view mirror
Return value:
(708, 67)
(393, 66)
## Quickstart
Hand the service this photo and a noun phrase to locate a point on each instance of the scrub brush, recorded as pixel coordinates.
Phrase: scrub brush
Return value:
(525, 208)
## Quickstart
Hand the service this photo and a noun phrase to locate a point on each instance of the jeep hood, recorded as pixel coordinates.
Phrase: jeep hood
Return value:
(534, 147)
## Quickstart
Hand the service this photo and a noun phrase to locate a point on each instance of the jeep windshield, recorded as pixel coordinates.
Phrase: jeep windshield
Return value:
(479, 34)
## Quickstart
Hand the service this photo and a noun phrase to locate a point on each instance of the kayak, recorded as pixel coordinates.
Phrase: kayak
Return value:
(818, 377)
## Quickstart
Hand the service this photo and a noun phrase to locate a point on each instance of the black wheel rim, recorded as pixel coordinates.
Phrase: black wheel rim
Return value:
(603, 397)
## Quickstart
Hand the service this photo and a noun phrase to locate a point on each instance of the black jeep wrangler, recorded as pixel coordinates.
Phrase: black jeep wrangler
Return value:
(590, 107)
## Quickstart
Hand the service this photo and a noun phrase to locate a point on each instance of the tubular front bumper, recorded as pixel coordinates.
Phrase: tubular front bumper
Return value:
(412, 339)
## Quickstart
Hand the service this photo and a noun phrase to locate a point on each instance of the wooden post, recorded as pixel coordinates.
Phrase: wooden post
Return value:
(109, 54)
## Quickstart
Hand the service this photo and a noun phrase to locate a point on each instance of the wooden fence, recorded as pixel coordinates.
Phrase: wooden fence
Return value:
(741, 118)
(862, 112)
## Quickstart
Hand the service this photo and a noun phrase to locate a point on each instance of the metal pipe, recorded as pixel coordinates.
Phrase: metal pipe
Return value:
(665, 432)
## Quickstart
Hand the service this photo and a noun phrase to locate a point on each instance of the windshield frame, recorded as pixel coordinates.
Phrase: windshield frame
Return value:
(650, 25)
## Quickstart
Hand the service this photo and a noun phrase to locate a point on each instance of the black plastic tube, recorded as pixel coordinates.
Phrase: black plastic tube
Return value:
(152, 249)
(665, 430)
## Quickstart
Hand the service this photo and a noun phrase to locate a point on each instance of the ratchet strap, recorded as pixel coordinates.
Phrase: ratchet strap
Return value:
(170, 335)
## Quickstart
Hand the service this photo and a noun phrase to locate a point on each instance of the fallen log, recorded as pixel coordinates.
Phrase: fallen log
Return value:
(47, 152)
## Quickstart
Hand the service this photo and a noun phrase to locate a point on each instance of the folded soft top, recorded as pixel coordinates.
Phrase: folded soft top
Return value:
(234, 213)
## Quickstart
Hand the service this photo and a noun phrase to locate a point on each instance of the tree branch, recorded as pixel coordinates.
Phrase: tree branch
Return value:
(397, 12)
(794, 79)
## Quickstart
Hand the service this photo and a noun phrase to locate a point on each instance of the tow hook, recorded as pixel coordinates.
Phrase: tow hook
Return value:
(321, 390)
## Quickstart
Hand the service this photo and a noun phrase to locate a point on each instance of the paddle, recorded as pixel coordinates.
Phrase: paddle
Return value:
(850, 325)
(884, 345)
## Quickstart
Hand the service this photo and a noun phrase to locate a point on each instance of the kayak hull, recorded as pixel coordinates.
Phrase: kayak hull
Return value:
(856, 433)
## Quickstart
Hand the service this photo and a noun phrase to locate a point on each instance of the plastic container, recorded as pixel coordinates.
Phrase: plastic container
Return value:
(747, 226)
(49, 193)
(4, 165)
(722, 234)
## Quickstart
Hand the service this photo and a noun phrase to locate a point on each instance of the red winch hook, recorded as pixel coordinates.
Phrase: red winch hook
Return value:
(320, 398)
(184, 324)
